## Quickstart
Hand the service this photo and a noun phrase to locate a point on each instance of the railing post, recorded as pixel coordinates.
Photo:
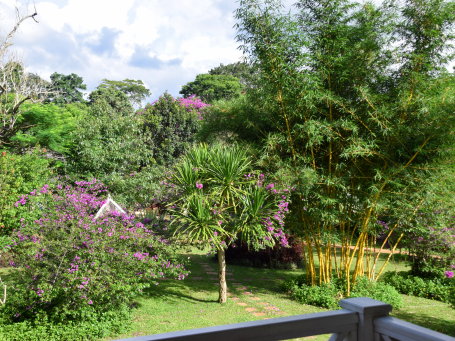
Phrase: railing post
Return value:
(368, 309)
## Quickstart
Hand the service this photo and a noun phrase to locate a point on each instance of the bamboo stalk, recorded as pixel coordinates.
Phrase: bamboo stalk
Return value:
(388, 258)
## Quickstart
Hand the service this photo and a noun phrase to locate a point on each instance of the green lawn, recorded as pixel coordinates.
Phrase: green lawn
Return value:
(253, 294)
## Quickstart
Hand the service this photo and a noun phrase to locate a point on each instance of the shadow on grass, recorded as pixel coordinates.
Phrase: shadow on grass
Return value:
(178, 290)
(198, 284)
(438, 324)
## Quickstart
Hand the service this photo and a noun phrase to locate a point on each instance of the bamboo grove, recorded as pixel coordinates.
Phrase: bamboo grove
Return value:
(354, 107)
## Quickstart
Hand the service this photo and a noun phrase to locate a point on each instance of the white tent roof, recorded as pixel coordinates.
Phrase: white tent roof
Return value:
(109, 206)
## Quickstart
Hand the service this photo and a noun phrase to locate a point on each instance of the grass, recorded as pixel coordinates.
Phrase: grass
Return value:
(192, 303)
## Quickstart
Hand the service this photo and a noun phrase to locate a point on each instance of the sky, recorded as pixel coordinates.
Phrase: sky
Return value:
(164, 43)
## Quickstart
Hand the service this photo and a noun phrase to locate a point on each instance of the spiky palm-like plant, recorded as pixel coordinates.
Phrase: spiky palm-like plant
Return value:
(221, 202)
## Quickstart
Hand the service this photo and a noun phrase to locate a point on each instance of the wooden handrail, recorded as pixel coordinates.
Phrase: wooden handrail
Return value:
(362, 319)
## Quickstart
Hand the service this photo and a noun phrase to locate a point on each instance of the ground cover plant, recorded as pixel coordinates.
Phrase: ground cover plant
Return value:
(70, 268)
(328, 295)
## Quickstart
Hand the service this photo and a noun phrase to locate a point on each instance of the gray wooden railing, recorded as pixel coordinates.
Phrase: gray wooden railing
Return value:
(361, 319)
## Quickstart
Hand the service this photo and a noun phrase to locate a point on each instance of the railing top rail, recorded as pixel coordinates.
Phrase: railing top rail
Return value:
(362, 319)
(282, 328)
(405, 331)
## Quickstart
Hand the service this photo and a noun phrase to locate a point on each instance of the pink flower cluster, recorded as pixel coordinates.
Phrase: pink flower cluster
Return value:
(94, 243)
(193, 103)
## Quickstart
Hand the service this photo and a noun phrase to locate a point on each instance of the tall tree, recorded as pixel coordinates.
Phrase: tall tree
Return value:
(133, 89)
(354, 131)
(66, 88)
(244, 72)
(171, 126)
(109, 139)
(213, 87)
(105, 100)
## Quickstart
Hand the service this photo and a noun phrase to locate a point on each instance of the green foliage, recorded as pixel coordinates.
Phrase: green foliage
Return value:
(133, 89)
(438, 288)
(327, 295)
(66, 89)
(236, 119)
(429, 235)
(349, 114)
(137, 189)
(109, 100)
(324, 296)
(111, 144)
(109, 139)
(171, 128)
(241, 70)
(19, 175)
(220, 200)
(213, 87)
(16, 88)
(94, 325)
(381, 291)
(48, 125)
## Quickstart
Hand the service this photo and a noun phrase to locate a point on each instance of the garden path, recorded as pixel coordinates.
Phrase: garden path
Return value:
(244, 296)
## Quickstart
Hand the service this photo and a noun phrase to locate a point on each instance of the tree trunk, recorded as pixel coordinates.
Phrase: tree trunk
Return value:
(222, 276)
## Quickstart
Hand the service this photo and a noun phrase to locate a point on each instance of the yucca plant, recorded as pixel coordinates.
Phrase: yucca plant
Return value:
(220, 201)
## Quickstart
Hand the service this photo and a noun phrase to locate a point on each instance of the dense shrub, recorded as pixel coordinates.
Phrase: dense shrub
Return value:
(138, 188)
(431, 242)
(70, 266)
(277, 256)
(380, 291)
(172, 125)
(19, 175)
(440, 288)
(327, 295)
(98, 326)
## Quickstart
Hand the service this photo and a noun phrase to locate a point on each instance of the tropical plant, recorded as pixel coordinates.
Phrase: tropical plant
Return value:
(220, 201)
(359, 112)
(48, 126)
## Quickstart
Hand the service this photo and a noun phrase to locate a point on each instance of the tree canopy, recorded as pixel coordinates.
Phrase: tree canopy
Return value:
(66, 89)
(212, 87)
(133, 89)
(244, 72)
(172, 127)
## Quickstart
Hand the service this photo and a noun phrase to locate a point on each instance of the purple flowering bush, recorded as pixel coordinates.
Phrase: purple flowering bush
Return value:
(433, 245)
(69, 265)
(193, 103)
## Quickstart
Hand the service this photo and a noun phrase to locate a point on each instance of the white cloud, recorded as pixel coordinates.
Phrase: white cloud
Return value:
(163, 44)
